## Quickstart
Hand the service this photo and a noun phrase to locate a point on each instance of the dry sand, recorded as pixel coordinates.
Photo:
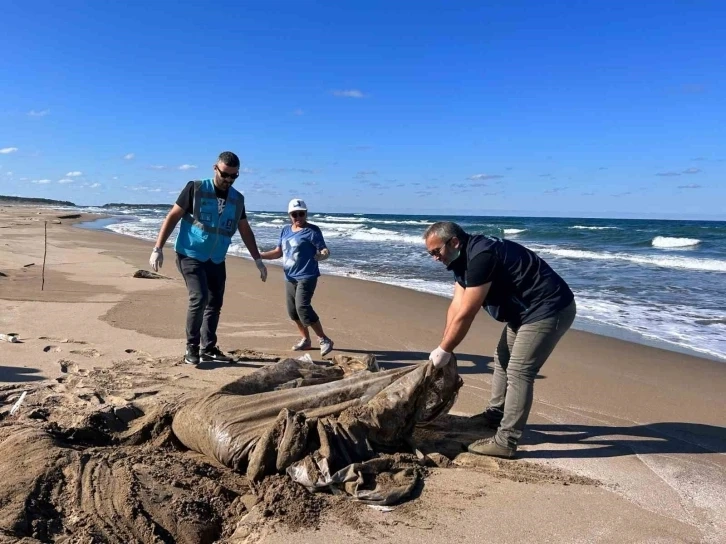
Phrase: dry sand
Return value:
(626, 443)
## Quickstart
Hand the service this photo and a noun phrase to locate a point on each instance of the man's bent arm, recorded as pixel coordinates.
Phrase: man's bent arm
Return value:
(248, 237)
(454, 306)
(169, 224)
(471, 302)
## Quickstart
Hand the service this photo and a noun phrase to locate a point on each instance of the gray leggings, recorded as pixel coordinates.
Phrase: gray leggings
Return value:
(299, 295)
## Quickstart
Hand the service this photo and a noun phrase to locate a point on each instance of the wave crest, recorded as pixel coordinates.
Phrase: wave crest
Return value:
(670, 242)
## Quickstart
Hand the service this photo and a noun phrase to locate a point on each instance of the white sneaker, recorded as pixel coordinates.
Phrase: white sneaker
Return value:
(326, 346)
(303, 344)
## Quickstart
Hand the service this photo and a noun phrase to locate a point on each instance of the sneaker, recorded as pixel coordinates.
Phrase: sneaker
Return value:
(492, 417)
(303, 344)
(490, 447)
(326, 346)
(215, 355)
(191, 357)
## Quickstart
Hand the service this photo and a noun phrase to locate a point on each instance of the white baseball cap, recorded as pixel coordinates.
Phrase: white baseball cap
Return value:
(297, 205)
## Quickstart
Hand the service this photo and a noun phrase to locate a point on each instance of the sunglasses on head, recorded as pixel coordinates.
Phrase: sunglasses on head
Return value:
(298, 214)
(227, 175)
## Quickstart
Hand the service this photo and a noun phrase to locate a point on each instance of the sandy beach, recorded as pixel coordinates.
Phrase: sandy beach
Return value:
(626, 443)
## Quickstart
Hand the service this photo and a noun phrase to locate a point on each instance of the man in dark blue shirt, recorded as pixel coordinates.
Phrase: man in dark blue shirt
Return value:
(514, 285)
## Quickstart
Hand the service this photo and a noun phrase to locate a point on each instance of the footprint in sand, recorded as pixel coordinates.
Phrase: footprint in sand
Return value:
(70, 367)
(140, 354)
(87, 352)
(55, 349)
(67, 366)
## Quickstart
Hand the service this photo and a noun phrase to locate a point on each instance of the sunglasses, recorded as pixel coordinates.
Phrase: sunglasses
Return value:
(437, 252)
(227, 175)
(297, 214)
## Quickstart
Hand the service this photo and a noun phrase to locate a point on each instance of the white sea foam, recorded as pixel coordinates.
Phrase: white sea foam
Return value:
(677, 325)
(325, 225)
(669, 242)
(512, 232)
(664, 261)
(585, 227)
(268, 224)
(145, 231)
(383, 235)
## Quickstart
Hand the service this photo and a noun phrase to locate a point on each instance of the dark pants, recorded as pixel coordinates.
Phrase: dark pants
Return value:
(299, 296)
(205, 283)
(519, 356)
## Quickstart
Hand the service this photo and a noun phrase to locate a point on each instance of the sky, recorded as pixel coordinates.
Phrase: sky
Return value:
(608, 108)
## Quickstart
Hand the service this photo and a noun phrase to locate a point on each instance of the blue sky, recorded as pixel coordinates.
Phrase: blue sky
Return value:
(544, 108)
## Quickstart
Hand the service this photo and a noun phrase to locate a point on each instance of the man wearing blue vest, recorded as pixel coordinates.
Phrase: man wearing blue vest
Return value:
(211, 211)
(516, 286)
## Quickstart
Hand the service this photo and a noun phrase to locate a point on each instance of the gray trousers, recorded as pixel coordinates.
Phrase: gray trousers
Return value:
(519, 356)
(205, 283)
(298, 298)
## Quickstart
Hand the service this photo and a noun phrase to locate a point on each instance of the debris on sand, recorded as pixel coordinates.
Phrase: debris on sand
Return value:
(99, 455)
(145, 274)
(69, 216)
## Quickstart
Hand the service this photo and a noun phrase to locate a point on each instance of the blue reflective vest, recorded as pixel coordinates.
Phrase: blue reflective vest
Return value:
(205, 234)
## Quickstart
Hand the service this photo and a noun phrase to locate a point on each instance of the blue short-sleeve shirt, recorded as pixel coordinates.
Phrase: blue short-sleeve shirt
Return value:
(298, 251)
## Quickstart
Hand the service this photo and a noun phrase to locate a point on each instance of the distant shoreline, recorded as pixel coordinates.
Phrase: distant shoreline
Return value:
(504, 214)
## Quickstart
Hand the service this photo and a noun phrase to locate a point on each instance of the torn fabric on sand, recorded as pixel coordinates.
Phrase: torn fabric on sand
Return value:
(334, 428)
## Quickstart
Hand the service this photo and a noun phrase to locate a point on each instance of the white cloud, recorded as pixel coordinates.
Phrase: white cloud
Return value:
(692, 171)
(8, 150)
(40, 181)
(65, 180)
(38, 113)
(129, 156)
(349, 93)
(143, 188)
(157, 167)
(188, 167)
(94, 185)
(74, 174)
(484, 177)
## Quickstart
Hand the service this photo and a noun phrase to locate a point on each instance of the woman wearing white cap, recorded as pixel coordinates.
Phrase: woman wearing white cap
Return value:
(301, 247)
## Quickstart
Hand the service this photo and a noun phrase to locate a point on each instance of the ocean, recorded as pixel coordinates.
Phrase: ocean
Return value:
(655, 282)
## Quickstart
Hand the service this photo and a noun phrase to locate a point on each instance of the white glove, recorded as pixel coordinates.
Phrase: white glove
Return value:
(262, 268)
(156, 259)
(322, 254)
(440, 357)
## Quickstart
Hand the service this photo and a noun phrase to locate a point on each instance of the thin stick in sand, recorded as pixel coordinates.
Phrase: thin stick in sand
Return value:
(45, 250)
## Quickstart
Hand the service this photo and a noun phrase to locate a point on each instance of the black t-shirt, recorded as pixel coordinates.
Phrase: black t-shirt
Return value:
(524, 287)
(186, 199)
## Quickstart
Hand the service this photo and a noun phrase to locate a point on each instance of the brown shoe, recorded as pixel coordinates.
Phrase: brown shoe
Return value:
(488, 446)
